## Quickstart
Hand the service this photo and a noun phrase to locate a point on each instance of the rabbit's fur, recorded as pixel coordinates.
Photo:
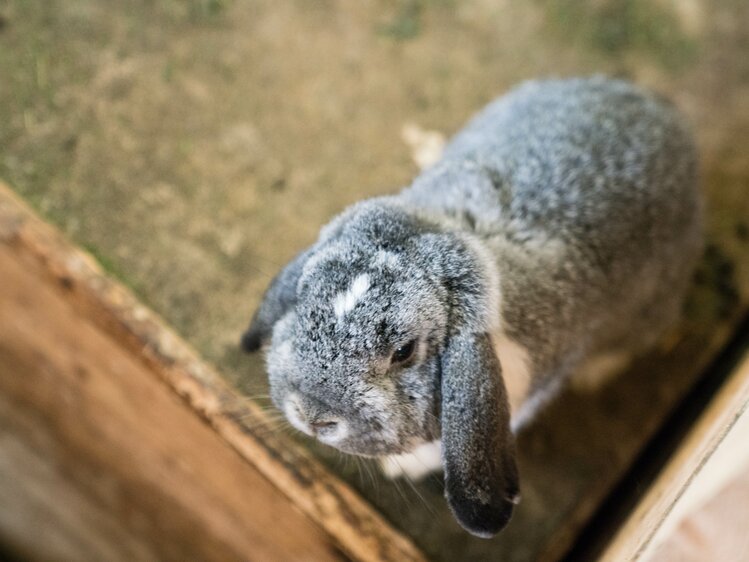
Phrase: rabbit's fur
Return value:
(561, 224)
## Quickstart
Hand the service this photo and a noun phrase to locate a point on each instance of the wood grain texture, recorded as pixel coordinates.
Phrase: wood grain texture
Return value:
(661, 505)
(716, 530)
(108, 462)
(102, 461)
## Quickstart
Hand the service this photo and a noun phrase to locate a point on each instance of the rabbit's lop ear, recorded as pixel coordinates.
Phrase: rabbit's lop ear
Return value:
(481, 478)
(279, 298)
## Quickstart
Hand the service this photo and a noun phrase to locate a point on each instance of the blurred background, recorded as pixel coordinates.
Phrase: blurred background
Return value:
(194, 146)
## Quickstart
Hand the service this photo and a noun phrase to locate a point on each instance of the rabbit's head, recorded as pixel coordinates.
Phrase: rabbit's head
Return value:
(379, 342)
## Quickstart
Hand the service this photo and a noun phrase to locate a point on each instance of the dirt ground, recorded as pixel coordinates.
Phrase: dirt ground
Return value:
(194, 146)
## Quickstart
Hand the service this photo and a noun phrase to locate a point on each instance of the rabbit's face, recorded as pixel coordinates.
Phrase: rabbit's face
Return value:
(356, 362)
(379, 341)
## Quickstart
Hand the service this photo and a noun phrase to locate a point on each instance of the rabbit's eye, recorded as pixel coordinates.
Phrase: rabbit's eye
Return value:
(404, 352)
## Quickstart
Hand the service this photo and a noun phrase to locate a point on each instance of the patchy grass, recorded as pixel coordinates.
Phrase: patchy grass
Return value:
(618, 27)
(207, 9)
(406, 24)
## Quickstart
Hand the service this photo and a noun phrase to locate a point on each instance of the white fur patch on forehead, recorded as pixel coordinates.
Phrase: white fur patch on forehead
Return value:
(383, 258)
(345, 301)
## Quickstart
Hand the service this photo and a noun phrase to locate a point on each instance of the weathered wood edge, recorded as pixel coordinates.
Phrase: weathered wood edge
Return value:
(356, 526)
(100, 460)
(635, 536)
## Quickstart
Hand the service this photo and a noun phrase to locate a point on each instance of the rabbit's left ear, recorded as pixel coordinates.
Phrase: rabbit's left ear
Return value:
(481, 477)
(279, 298)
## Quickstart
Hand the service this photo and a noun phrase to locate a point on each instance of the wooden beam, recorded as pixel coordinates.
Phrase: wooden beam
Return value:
(107, 459)
(663, 502)
(102, 461)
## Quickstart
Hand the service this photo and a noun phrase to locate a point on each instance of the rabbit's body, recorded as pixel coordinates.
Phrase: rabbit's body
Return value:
(561, 225)
(585, 194)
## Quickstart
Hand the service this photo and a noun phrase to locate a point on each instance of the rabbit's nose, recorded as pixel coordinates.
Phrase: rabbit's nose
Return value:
(323, 425)
(328, 429)
(305, 416)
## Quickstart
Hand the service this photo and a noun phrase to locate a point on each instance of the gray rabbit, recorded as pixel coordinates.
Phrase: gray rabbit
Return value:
(559, 229)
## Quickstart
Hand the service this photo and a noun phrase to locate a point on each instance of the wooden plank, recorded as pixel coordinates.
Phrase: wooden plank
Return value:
(90, 425)
(102, 461)
(667, 498)
(709, 521)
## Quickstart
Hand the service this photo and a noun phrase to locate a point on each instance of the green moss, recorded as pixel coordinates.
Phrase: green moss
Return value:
(406, 24)
(617, 27)
(207, 9)
(168, 71)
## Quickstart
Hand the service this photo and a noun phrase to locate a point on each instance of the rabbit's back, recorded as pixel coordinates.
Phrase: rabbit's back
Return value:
(586, 189)
(590, 160)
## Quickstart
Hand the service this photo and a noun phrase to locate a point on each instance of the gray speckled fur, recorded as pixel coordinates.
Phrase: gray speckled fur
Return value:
(582, 195)
(586, 190)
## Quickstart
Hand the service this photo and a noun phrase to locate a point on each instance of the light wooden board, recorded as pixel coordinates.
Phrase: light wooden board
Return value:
(100, 460)
(716, 530)
(103, 460)
(672, 495)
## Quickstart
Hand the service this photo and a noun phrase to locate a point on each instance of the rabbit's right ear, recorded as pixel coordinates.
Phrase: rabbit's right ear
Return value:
(279, 298)
(478, 450)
